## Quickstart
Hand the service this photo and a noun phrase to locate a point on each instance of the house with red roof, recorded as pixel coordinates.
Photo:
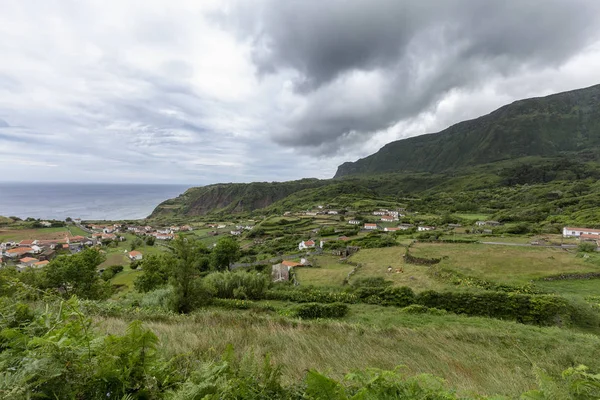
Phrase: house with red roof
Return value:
(577, 232)
(41, 264)
(28, 261)
(18, 252)
(309, 244)
(135, 255)
(371, 227)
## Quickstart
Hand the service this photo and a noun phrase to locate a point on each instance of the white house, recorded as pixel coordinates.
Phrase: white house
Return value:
(311, 213)
(577, 232)
(425, 228)
(332, 212)
(380, 212)
(354, 222)
(391, 229)
(135, 255)
(388, 218)
(46, 224)
(236, 233)
(405, 226)
(371, 227)
(221, 226)
(309, 244)
(480, 223)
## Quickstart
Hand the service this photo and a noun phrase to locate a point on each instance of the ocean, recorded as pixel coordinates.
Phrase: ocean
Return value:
(82, 200)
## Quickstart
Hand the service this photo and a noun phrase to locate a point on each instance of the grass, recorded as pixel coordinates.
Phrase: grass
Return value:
(472, 217)
(579, 288)
(31, 234)
(376, 262)
(506, 264)
(330, 272)
(475, 355)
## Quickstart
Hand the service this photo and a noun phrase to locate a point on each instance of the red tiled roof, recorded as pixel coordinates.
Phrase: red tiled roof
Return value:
(20, 250)
(309, 242)
(288, 263)
(586, 236)
(135, 253)
(28, 259)
(26, 242)
(41, 263)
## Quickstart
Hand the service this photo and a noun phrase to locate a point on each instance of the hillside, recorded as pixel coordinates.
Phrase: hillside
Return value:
(546, 126)
(231, 197)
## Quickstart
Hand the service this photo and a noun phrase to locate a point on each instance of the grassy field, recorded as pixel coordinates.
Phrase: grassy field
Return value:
(580, 289)
(376, 261)
(475, 355)
(329, 273)
(472, 217)
(506, 264)
(31, 234)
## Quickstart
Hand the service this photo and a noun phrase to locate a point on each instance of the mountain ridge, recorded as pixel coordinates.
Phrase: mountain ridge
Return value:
(537, 126)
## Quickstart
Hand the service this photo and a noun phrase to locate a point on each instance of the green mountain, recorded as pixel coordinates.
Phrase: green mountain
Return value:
(231, 197)
(548, 126)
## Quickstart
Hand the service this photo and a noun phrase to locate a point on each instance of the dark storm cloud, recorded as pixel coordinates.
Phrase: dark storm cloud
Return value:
(362, 66)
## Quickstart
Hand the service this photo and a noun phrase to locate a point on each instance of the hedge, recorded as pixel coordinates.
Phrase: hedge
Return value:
(318, 310)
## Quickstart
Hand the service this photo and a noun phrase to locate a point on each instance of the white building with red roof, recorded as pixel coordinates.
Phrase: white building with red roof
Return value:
(309, 244)
(577, 232)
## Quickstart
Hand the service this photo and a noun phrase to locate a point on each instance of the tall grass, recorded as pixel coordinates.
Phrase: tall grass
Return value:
(475, 355)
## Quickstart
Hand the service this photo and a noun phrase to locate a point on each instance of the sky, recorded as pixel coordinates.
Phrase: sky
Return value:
(198, 92)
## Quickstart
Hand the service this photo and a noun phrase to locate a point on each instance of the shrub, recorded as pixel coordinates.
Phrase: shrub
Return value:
(586, 247)
(318, 310)
(373, 281)
(158, 299)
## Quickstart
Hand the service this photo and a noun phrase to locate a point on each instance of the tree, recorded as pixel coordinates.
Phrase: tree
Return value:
(136, 243)
(188, 259)
(150, 240)
(76, 274)
(156, 273)
(226, 252)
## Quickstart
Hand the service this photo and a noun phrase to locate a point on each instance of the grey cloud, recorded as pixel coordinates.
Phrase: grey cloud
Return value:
(4, 124)
(420, 50)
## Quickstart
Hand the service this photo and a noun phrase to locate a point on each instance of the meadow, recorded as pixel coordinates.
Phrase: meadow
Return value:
(475, 355)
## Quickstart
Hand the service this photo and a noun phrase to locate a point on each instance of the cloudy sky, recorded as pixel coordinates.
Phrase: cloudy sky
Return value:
(199, 92)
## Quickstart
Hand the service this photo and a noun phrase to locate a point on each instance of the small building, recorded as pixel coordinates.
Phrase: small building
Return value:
(480, 223)
(371, 227)
(135, 255)
(388, 218)
(75, 239)
(391, 229)
(309, 244)
(405, 226)
(46, 224)
(577, 232)
(26, 243)
(380, 212)
(28, 261)
(18, 252)
(280, 273)
(332, 212)
(424, 228)
(291, 264)
(41, 264)
(354, 222)
(236, 233)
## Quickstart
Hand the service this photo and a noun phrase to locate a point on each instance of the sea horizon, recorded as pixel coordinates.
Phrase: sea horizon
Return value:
(89, 201)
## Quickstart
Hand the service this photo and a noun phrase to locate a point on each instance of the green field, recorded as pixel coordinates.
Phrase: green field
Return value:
(505, 264)
(376, 262)
(330, 272)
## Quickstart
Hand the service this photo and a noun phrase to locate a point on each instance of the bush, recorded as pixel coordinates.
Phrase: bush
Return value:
(586, 247)
(318, 310)
(158, 299)
(311, 295)
(238, 285)
(373, 281)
